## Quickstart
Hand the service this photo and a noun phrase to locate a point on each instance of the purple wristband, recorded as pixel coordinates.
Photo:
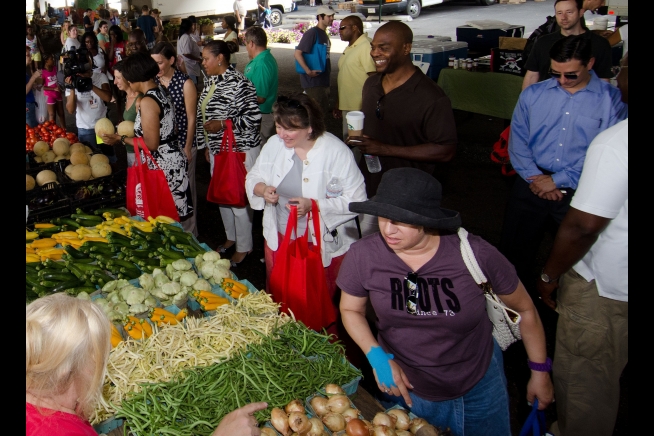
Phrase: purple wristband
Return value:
(543, 367)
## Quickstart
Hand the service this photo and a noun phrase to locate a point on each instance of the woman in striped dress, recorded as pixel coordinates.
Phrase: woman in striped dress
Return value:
(228, 95)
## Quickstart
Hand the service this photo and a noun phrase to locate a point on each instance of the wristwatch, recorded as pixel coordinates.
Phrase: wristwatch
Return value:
(542, 367)
(122, 139)
(547, 279)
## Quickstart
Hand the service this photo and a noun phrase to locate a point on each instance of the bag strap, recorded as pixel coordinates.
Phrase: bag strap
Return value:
(203, 108)
(314, 216)
(470, 260)
(228, 137)
(139, 142)
(291, 225)
(535, 422)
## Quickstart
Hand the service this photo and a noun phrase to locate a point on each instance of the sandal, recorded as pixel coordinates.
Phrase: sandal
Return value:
(222, 249)
(235, 264)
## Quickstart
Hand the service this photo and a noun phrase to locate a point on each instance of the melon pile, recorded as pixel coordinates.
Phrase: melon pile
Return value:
(86, 166)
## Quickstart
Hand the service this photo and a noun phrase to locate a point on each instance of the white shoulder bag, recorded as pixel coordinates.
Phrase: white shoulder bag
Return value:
(506, 321)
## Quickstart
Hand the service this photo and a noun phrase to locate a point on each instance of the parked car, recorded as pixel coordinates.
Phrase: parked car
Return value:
(405, 7)
(217, 8)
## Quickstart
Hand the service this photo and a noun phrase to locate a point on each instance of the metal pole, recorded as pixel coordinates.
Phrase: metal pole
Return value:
(380, 7)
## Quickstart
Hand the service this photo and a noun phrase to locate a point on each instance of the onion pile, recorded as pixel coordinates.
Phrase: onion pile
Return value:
(335, 412)
(293, 420)
(396, 422)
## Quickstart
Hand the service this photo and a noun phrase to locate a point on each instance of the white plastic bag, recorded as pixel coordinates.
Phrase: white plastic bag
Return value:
(41, 106)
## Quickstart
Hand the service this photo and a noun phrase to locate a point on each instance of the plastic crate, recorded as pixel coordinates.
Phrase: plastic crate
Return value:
(397, 406)
(57, 208)
(269, 425)
(108, 425)
(351, 387)
(95, 186)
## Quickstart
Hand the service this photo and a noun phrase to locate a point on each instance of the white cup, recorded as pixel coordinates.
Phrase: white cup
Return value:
(355, 123)
(600, 23)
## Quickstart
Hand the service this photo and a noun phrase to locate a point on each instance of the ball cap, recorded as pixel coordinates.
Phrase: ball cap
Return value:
(326, 10)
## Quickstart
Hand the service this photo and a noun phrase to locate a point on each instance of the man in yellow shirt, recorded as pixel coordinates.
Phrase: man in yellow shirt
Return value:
(354, 67)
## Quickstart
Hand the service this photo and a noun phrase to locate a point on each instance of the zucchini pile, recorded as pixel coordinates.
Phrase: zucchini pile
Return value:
(84, 251)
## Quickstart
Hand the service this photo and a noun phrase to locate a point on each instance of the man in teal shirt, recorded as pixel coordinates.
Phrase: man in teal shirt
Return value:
(262, 72)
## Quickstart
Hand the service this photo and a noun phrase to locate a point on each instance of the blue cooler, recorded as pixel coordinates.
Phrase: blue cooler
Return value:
(431, 38)
(433, 55)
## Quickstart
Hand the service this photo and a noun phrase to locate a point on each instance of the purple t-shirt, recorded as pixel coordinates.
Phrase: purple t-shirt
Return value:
(446, 349)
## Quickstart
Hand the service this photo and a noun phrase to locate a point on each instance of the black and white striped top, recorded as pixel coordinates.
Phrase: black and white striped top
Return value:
(234, 98)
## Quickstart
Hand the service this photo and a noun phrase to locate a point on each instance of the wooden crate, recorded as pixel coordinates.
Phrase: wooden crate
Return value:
(348, 6)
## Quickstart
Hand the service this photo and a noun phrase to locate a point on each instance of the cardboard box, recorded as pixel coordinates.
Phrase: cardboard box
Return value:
(511, 43)
(507, 61)
(480, 41)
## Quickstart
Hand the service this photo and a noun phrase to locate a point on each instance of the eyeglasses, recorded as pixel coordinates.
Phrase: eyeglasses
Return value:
(343, 27)
(378, 110)
(569, 76)
(411, 285)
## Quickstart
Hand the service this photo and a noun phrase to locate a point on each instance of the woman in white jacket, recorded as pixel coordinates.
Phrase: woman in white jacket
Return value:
(297, 164)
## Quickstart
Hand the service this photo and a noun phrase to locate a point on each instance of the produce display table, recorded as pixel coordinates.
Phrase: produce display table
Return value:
(191, 342)
(492, 94)
(366, 403)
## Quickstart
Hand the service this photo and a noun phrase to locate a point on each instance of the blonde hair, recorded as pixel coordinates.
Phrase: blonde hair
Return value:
(67, 342)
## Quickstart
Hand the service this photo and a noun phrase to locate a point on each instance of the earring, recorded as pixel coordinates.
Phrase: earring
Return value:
(220, 63)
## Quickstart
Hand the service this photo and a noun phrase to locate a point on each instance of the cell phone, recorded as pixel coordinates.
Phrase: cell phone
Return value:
(293, 202)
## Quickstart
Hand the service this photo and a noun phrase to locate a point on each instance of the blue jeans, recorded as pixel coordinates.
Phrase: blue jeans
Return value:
(87, 136)
(30, 115)
(483, 411)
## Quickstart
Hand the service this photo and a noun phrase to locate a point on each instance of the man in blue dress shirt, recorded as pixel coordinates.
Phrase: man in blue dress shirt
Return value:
(553, 124)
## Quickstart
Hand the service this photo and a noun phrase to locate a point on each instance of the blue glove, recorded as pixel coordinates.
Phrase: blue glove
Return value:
(380, 362)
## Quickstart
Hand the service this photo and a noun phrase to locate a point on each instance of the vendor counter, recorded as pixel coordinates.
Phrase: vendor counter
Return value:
(487, 93)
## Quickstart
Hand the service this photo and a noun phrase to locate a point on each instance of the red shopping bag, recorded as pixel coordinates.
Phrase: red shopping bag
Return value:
(500, 153)
(297, 280)
(148, 193)
(227, 186)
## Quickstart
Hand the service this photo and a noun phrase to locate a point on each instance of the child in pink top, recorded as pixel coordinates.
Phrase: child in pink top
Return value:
(51, 90)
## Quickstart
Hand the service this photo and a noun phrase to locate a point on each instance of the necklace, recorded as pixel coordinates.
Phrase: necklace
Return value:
(166, 80)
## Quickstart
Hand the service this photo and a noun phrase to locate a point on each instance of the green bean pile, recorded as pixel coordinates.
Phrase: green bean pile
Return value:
(292, 364)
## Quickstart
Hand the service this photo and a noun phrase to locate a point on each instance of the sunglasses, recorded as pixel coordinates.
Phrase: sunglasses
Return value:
(343, 27)
(411, 285)
(378, 109)
(569, 76)
(289, 102)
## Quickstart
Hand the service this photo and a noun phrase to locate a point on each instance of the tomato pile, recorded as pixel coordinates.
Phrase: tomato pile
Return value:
(47, 132)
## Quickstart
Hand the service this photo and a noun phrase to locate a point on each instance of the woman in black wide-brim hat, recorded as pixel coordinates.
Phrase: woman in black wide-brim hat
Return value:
(435, 352)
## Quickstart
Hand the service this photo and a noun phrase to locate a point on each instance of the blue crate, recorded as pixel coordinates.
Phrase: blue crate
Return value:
(108, 425)
(350, 387)
(269, 425)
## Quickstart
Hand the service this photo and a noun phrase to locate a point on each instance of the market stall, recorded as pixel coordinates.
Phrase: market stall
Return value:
(191, 341)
